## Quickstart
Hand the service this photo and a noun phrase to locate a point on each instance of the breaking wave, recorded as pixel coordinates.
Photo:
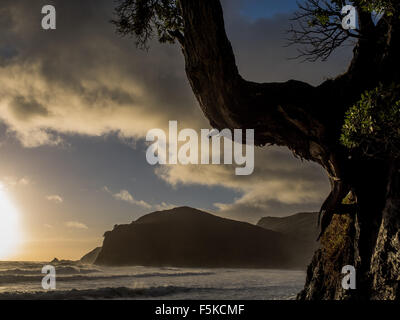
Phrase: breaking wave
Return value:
(20, 279)
(60, 270)
(32, 276)
(177, 274)
(101, 293)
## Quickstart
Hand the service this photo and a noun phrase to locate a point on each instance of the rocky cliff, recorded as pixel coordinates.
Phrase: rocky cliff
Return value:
(301, 227)
(90, 257)
(186, 237)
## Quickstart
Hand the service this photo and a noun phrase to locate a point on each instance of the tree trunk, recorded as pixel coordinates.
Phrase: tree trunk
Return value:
(369, 241)
(385, 264)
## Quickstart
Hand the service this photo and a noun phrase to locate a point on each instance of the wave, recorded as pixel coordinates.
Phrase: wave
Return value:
(121, 293)
(100, 294)
(21, 278)
(177, 274)
(170, 269)
(62, 270)
(11, 279)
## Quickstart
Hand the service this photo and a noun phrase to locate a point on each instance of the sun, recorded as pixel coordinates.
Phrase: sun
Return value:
(9, 226)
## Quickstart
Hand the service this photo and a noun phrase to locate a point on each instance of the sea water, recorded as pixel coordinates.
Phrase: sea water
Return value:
(23, 280)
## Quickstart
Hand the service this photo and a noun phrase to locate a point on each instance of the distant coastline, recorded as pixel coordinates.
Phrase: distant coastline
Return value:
(190, 238)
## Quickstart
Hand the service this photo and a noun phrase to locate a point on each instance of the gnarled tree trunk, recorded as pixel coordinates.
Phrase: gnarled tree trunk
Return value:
(362, 229)
(368, 240)
(385, 263)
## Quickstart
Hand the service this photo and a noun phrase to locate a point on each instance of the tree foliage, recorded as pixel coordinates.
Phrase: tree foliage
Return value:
(373, 124)
(378, 6)
(145, 19)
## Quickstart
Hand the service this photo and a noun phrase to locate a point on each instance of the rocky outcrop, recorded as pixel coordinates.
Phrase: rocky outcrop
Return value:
(90, 257)
(377, 274)
(385, 263)
(301, 227)
(186, 237)
(324, 277)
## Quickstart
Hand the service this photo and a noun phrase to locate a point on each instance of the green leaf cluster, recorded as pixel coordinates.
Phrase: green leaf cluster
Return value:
(373, 124)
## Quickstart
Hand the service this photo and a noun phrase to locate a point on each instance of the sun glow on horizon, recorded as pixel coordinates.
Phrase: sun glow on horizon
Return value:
(10, 235)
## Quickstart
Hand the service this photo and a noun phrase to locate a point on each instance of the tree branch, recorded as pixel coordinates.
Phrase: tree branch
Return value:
(292, 114)
(317, 27)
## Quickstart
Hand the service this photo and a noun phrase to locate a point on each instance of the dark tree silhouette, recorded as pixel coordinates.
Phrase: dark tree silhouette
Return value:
(360, 217)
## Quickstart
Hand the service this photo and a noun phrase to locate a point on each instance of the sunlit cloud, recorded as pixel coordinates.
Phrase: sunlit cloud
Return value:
(124, 195)
(48, 90)
(276, 183)
(76, 225)
(10, 181)
(55, 198)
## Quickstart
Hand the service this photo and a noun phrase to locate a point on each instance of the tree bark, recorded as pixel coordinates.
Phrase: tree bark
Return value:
(365, 240)
(308, 120)
(385, 263)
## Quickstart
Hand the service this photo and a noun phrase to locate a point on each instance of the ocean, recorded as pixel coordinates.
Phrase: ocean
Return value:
(23, 280)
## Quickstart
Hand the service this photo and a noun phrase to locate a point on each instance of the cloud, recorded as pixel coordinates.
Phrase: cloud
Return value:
(10, 181)
(279, 186)
(125, 196)
(24, 108)
(55, 198)
(84, 79)
(76, 225)
(24, 181)
(164, 206)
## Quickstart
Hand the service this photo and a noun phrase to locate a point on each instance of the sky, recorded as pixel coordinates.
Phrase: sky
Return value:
(76, 104)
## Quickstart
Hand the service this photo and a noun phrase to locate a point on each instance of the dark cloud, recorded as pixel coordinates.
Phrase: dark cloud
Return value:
(87, 64)
(25, 109)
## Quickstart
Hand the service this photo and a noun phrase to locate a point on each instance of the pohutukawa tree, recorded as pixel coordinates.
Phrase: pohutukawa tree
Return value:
(350, 125)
